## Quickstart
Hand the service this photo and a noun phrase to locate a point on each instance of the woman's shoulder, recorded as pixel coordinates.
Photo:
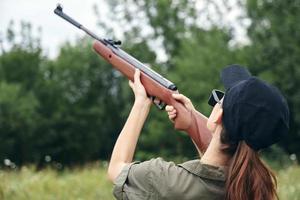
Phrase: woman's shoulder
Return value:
(192, 168)
(200, 169)
(168, 180)
(189, 178)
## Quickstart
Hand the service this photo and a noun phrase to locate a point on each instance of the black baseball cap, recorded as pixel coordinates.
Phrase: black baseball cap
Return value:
(253, 110)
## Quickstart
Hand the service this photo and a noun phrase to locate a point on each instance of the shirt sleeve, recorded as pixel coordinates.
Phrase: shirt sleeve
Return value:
(133, 182)
(151, 179)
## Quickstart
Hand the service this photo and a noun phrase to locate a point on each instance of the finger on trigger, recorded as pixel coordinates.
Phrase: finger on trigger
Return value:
(169, 108)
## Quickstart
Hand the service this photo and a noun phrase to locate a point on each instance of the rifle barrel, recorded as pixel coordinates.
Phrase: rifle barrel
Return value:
(118, 51)
(59, 11)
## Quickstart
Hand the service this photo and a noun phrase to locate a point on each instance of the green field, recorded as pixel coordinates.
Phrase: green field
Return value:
(90, 182)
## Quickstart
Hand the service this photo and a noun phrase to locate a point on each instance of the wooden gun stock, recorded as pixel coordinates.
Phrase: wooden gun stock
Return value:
(193, 122)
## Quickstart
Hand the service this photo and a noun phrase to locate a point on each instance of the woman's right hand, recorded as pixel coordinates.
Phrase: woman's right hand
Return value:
(139, 90)
(172, 112)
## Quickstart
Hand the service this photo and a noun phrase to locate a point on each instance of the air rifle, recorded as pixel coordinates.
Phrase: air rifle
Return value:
(192, 122)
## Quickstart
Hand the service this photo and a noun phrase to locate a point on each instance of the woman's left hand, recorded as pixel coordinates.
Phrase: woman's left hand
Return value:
(139, 90)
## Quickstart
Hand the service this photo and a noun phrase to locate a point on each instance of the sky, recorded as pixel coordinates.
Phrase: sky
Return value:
(39, 13)
(55, 30)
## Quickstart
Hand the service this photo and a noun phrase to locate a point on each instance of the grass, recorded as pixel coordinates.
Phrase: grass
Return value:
(85, 183)
(289, 183)
(90, 182)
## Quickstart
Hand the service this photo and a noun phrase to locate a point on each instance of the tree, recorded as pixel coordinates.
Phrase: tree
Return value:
(18, 104)
(274, 54)
(17, 123)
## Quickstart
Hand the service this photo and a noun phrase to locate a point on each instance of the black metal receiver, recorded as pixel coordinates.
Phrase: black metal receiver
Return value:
(113, 45)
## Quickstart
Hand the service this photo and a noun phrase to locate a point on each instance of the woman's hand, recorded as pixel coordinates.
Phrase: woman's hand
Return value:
(139, 90)
(172, 113)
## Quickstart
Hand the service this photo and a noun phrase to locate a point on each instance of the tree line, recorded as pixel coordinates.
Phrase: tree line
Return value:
(71, 109)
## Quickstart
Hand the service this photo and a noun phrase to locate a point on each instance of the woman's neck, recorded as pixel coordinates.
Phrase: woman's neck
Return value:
(214, 155)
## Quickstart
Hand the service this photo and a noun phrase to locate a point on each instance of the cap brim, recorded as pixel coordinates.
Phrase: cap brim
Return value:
(233, 74)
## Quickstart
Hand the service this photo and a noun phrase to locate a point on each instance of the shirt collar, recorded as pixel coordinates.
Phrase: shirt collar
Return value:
(204, 170)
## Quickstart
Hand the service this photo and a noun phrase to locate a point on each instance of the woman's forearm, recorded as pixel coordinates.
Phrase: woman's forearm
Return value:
(126, 143)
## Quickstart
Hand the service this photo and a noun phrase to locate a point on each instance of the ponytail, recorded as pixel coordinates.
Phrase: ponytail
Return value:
(248, 177)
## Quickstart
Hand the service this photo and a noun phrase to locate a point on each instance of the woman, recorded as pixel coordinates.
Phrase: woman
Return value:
(252, 115)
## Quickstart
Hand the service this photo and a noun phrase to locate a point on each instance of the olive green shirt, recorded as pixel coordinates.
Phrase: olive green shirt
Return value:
(158, 179)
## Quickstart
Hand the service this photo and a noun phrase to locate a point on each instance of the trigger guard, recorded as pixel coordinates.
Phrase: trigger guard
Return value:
(160, 105)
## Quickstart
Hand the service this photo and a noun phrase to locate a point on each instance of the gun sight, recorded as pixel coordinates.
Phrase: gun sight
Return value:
(59, 11)
(59, 7)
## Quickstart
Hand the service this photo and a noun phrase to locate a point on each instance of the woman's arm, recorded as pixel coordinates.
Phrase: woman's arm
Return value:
(126, 143)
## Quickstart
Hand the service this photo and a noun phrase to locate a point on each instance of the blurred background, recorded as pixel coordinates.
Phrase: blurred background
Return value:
(62, 106)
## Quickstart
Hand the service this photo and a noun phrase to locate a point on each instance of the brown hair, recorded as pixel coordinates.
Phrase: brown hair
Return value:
(248, 177)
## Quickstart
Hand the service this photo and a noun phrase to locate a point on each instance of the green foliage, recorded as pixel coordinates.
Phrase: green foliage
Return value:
(197, 67)
(274, 54)
(72, 108)
(68, 109)
(17, 122)
(168, 19)
(79, 96)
